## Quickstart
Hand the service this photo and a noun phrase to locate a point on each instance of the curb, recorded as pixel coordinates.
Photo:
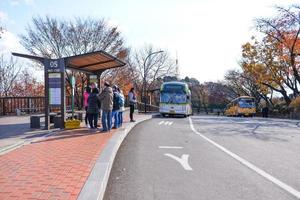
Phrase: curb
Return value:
(95, 186)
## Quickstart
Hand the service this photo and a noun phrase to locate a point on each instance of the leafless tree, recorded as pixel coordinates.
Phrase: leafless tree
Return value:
(242, 84)
(1, 31)
(149, 67)
(54, 38)
(9, 71)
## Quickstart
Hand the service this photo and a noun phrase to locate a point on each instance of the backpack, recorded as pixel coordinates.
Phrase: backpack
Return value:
(116, 101)
(121, 101)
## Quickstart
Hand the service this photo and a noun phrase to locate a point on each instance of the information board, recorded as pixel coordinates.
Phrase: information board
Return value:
(55, 89)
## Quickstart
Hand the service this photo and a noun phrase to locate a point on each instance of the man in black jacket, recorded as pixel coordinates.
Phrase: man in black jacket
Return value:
(93, 108)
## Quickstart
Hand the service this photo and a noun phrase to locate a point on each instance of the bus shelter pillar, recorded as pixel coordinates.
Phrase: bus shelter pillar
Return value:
(55, 89)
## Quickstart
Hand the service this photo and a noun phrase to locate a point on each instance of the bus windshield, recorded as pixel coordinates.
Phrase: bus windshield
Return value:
(246, 103)
(173, 89)
(173, 98)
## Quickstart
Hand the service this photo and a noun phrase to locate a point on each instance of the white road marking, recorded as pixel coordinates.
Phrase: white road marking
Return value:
(170, 147)
(165, 123)
(261, 172)
(161, 122)
(183, 160)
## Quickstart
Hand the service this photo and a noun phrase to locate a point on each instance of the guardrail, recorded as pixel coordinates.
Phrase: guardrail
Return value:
(149, 108)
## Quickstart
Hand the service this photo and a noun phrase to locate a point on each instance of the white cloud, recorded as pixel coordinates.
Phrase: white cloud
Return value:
(207, 35)
(14, 2)
(3, 16)
(29, 2)
(114, 23)
(10, 43)
(19, 2)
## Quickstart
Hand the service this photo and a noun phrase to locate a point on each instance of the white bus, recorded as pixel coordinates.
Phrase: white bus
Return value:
(175, 99)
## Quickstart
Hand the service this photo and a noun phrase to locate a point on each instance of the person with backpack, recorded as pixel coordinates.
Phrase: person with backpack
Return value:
(116, 106)
(106, 98)
(122, 107)
(93, 108)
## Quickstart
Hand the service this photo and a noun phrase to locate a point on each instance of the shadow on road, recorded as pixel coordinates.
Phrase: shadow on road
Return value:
(256, 128)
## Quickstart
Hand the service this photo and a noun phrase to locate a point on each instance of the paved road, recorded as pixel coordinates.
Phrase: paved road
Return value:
(222, 158)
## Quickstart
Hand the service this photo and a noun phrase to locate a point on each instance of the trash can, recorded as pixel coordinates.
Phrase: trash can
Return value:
(57, 121)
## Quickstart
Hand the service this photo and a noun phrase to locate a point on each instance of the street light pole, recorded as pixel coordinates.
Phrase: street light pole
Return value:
(144, 82)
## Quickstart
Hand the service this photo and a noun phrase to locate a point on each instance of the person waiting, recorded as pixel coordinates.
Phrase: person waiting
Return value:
(93, 108)
(106, 98)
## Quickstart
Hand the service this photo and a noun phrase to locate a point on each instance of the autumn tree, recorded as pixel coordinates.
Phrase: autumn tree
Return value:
(262, 63)
(26, 85)
(283, 30)
(54, 38)
(218, 94)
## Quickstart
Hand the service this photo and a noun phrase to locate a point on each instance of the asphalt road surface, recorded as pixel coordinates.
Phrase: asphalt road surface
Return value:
(207, 157)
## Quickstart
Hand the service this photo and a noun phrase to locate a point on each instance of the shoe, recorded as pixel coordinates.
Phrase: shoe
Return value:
(132, 120)
(103, 131)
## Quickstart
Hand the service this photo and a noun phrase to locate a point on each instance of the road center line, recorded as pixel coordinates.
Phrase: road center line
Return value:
(170, 147)
(261, 172)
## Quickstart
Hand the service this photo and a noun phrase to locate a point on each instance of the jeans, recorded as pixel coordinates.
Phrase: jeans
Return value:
(120, 118)
(115, 115)
(106, 120)
(93, 119)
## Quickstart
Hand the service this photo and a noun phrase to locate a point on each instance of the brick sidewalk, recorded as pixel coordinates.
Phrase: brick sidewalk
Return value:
(55, 168)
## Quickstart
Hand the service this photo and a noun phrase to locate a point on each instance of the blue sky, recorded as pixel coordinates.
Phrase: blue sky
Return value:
(206, 34)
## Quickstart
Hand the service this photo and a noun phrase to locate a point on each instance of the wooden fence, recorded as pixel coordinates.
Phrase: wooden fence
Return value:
(27, 105)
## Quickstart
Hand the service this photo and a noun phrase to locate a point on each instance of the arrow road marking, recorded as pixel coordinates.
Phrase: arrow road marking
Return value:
(183, 160)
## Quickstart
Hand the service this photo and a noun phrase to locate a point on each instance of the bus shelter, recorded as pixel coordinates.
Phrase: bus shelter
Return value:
(92, 64)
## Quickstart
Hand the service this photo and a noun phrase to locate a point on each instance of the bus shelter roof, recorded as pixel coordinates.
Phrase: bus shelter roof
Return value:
(93, 63)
